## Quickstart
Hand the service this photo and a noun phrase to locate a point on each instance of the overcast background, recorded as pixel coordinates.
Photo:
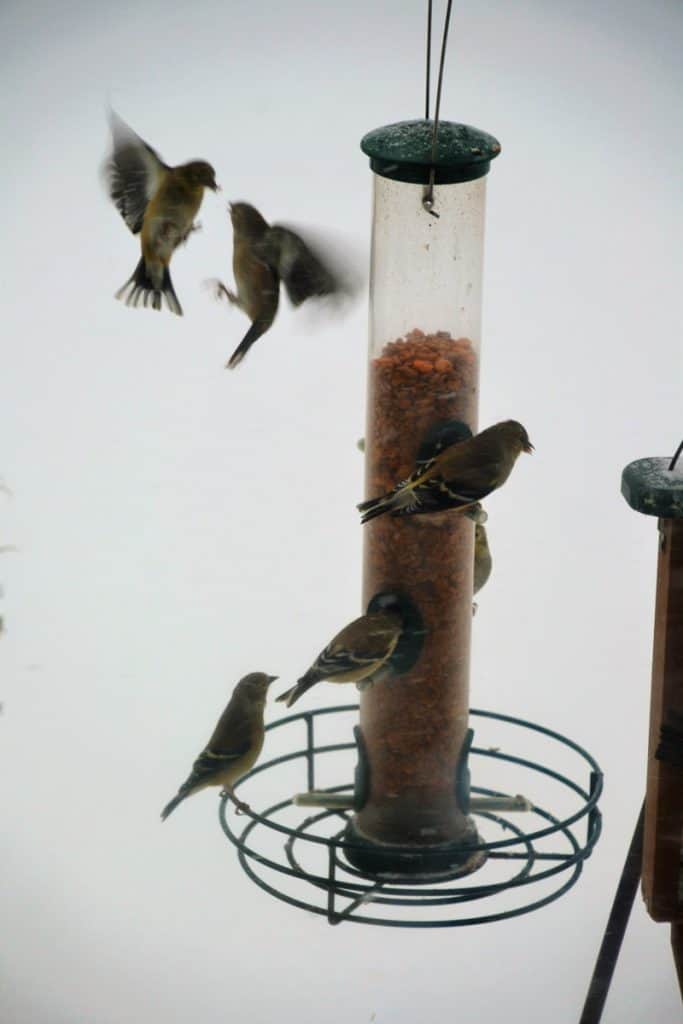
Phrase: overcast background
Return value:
(179, 525)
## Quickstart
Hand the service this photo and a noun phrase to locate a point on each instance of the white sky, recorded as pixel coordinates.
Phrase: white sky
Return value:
(179, 525)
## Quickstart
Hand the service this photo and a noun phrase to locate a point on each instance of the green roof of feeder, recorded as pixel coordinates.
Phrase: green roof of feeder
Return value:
(403, 152)
(649, 486)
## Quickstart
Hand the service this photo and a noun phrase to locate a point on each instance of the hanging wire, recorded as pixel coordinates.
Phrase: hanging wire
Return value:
(428, 199)
(429, 58)
(672, 464)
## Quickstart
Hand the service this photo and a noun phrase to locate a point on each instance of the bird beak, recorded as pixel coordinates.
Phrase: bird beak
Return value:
(217, 187)
(529, 448)
(271, 679)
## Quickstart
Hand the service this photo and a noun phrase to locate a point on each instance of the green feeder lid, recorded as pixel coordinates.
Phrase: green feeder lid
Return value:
(649, 486)
(403, 152)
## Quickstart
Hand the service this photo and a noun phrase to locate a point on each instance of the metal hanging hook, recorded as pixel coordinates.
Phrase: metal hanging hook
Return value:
(428, 201)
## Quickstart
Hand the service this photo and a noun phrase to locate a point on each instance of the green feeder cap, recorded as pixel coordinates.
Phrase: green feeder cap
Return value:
(649, 486)
(403, 152)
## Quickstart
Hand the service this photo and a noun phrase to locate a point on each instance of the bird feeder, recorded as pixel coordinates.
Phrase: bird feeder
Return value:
(407, 829)
(654, 487)
(423, 379)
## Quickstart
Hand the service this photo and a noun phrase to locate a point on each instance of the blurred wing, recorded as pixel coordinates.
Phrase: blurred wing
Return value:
(301, 270)
(133, 173)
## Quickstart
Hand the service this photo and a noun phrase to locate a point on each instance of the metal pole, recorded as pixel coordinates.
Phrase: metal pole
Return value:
(616, 927)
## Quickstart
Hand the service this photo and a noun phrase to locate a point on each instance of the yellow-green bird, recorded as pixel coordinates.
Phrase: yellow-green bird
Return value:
(360, 653)
(458, 477)
(483, 563)
(234, 746)
(157, 202)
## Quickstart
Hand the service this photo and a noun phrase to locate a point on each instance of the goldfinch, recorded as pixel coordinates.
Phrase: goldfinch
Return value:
(360, 653)
(157, 202)
(458, 477)
(234, 746)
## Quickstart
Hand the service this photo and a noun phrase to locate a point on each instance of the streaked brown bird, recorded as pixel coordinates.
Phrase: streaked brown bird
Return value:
(360, 653)
(157, 202)
(457, 477)
(234, 746)
(262, 257)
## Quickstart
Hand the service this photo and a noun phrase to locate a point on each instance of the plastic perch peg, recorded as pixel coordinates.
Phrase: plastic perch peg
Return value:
(346, 802)
(655, 487)
(423, 379)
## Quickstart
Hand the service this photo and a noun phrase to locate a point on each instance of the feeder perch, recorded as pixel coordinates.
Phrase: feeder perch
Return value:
(309, 863)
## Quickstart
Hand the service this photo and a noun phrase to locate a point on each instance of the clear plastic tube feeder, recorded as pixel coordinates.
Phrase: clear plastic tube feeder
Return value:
(423, 386)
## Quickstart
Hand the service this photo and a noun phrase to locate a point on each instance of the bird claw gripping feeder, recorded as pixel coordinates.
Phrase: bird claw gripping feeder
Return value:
(398, 843)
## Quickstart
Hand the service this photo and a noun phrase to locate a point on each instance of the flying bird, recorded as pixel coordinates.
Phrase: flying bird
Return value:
(234, 746)
(458, 477)
(360, 653)
(157, 202)
(263, 256)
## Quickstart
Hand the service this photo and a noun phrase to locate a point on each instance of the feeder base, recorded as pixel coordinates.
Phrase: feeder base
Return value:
(437, 861)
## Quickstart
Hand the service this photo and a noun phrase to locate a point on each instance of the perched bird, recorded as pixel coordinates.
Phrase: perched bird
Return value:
(458, 477)
(440, 437)
(262, 257)
(157, 202)
(360, 653)
(483, 562)
(234, 746)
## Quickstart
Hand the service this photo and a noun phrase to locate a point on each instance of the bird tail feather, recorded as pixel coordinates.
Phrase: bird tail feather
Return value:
(172, 804)
(141, 287)
(377, 506)
(253, 334)
(305, 683)
(400, 502)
